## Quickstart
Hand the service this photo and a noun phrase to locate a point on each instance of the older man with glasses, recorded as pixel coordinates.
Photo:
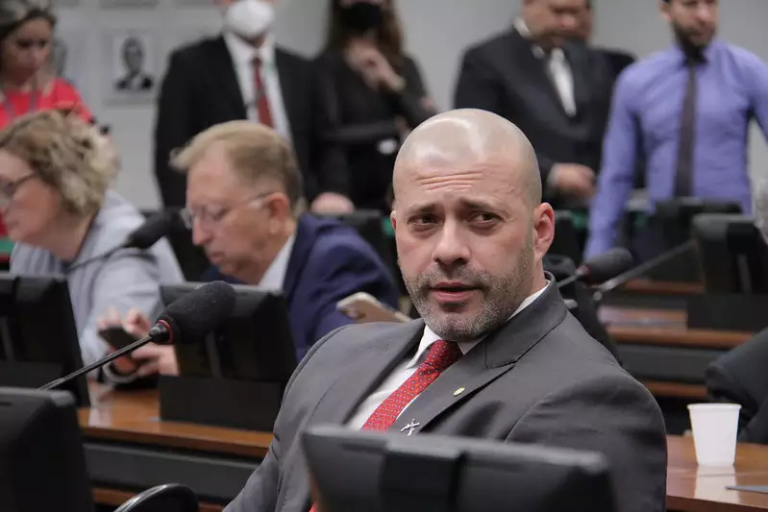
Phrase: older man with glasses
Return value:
(244, 207)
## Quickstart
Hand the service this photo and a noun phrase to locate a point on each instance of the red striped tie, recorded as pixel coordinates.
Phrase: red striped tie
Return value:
(262, 100)
(440, 356)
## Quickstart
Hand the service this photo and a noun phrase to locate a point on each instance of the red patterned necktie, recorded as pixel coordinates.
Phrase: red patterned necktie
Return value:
(440, 356)
(262, 101)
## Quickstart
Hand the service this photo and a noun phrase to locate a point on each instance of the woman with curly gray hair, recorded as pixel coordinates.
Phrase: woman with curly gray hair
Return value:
(55, 173)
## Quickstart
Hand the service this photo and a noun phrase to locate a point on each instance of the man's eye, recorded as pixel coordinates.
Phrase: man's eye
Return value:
(484, 217)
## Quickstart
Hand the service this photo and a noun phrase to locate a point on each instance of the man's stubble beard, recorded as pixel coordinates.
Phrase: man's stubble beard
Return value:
(500, 298)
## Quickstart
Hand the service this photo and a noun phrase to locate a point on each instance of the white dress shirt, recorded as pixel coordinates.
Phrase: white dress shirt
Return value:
(404, 370)
(243, 55)
(274, 277)
(558, 68)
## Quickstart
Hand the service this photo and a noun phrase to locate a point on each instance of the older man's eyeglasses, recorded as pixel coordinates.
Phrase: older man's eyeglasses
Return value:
(9, 188)
(211, 218)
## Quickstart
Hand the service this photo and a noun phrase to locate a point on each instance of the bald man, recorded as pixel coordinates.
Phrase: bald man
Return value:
(471, 233)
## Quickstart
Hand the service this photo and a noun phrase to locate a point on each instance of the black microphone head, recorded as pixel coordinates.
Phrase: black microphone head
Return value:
(190, 318)
(153, 229)
(607, 265)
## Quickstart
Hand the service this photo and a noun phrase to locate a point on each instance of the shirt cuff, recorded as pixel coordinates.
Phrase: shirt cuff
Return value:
(113, 377)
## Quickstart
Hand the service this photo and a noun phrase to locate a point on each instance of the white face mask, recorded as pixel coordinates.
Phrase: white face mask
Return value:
(249, 18)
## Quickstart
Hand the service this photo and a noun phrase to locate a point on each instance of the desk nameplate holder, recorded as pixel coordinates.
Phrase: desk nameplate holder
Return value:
(221, 402)
(728, 312)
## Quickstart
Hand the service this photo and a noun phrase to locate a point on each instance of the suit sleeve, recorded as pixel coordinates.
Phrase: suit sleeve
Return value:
(347, 271)
(758, 80)
(614, 416)
(617, 176)
(723, 388)
(173, 129)
(333, 168)
(262, 489)
(478, 87)
(411, 101)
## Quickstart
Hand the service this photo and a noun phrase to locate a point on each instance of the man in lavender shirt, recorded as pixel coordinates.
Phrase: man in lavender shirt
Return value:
(687, 111)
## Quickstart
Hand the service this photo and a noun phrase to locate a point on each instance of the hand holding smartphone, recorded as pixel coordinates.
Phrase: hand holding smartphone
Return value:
(116, 336)
(363, 308)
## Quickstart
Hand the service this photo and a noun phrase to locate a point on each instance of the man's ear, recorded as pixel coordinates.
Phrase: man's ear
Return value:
(279, 207)
(393, 219)
(543, 229)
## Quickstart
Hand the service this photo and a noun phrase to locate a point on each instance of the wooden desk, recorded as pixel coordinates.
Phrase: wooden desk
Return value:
(126, 420)
(670, 359)
(694, 489)
(135, 417)
(647, 293)
(664, 327)
(651, 287)
(129, 449)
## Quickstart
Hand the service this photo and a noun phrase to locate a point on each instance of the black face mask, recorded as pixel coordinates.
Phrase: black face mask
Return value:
(360, 17)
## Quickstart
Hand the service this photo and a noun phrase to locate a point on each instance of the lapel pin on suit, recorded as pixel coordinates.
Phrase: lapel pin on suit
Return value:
(458, 391)
(410, 427)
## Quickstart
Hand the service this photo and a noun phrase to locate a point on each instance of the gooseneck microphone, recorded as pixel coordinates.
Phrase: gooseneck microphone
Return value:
(186, 320)
(601, 268)
(143, 237)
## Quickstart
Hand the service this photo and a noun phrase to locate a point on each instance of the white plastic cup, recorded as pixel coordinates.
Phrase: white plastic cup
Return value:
(714, 433)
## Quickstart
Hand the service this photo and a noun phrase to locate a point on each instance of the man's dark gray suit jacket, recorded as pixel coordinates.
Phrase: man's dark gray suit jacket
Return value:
(539, 379)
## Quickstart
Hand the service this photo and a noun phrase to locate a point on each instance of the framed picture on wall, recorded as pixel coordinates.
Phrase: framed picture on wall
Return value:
(130, 67)
(129, 3)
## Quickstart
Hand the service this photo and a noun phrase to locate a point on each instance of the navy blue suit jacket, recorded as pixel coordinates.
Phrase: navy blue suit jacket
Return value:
(329, 262)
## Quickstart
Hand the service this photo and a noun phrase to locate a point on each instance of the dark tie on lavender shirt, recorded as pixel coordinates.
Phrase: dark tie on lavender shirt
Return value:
(684, 173)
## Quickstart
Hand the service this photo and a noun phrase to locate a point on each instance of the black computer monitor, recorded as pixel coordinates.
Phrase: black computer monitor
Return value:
(254, 343)
(673, 219)
(388, 472)
(566, 241)
(42, 464)
(38, 334)
(733, 254)
(675, 216)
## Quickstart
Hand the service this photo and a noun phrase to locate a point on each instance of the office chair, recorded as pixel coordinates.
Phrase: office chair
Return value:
(163, 498)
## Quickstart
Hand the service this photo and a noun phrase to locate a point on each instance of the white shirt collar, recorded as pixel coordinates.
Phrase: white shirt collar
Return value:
(274, 277)
(243, 53)
(430, 337)
(555, 54)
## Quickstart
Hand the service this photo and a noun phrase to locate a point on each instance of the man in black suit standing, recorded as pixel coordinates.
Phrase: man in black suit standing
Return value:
(617, 59)
(557, 91)
(240, 74)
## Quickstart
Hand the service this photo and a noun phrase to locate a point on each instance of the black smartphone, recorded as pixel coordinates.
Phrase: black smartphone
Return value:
(117, 337)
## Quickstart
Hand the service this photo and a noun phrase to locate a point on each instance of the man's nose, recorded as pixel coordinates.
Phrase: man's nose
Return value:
(705, 13)
(452, 247)
(201, 235)
(568, 23)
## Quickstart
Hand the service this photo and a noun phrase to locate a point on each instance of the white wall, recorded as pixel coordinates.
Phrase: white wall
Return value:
(437, 32)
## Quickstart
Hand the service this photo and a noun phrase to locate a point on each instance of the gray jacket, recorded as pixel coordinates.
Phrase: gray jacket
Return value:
(538, 379)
